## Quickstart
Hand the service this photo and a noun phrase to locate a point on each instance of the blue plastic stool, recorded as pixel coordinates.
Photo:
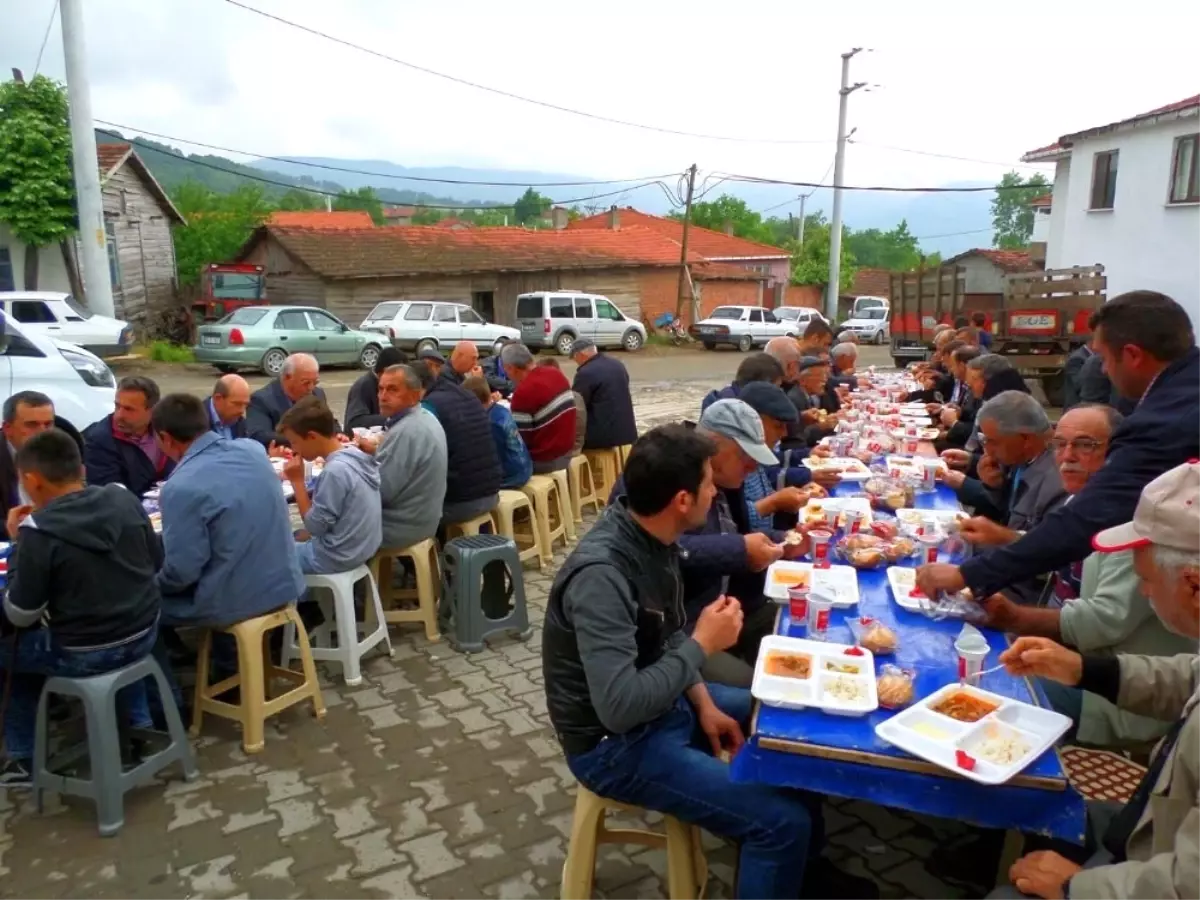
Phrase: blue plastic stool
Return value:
(483, 590)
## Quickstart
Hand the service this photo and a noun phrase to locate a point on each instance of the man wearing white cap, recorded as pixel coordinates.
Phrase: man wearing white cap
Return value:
(1151, 847)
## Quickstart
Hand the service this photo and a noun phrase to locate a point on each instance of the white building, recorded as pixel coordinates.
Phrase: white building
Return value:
(1127, 196)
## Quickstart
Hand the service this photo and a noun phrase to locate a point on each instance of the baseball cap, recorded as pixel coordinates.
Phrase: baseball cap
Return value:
(1167, 514)
(431, 354)
(580, 345)
(768, 399)
(739, 422)
(808, 362)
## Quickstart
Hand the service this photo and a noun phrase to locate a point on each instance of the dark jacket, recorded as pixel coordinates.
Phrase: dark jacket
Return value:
(112, 458)
(614, 654)
(497, 378)
(1033, 492)
(85, 563)
(10, 492)
(942, 388)
(1095, 387)
(729, 392)
(1072, 370)
(603, 382)
(362, 403)
(267, 406)
(1163, 432)
(472, 466)
(1005, 380)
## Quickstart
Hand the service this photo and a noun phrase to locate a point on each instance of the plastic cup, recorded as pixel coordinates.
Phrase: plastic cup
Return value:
(910, 430)
(930, 466)
(820, 548)
(308, 470)
(819, 609)
(854, 520)
(798, 606)
(930, 540)
(970, 662)
(910, 445)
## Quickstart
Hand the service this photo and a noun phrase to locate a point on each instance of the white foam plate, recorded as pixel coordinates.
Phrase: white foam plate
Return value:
(937, 738)
(838, 505)
(902, 580)
(923, 434)
(842, 579)
(848, 467)
(797, 693)
(944, 517)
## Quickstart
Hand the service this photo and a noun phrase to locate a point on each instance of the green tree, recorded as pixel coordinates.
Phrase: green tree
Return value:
(427, 216)
(1012, 214)
(297, 200)
(732, 211)
(365, 199)
(37, 194)
(896, 250)
(218, 225)
(810, 263)
(530, 207)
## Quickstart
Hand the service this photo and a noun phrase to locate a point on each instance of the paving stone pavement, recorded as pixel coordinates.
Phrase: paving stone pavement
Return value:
(439, 776)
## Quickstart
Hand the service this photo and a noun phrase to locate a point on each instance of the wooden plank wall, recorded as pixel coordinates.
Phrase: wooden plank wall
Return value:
(145, 250)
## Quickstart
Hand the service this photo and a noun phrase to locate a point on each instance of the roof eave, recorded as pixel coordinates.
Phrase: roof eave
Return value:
(1046, 154)
(736, 259)
(492, 270)
(1173, 115)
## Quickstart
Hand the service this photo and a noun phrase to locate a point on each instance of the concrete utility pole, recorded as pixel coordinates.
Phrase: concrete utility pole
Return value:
(839, 166)
(685, 283)
(800, 227)
(96, 278)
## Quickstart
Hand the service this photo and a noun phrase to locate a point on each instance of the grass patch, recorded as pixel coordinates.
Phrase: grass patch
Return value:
(163, 351)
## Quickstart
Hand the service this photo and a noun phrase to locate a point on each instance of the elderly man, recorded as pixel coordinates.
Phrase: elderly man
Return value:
(299, 378)
(543, 407)
(762, 366)
(985, 376)
(846, 337)
(122, 448)
(464, 362)
(1148, 847)
(227, 406)
(26, 413)
(844, 357)
(362, 401)
(603, 383)
(431, 357)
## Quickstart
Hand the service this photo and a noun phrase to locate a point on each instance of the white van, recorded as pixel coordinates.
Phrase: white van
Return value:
(80, 385)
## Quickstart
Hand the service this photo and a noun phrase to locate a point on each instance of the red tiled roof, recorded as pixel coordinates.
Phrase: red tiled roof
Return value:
(1043, 200)
(1007, 261)
(872, 283)
(421, 250)
(318, 218)
(1064, 143)
(111, 155)
(704, 241)
(398, 212)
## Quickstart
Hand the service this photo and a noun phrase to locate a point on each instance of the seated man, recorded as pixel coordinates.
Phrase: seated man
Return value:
(602, 382)
(122, 448)
(343, 518)
(543, 407)
(84, 565)
(623, 684)
(515, 465)
(756, 367)
(412, 460)
(807, 395)
(581, 413)
(1096, 605)
(1148, 847)
(844, 357)
(26, 413)
(362, 402)
(227, 406)
(299, 378)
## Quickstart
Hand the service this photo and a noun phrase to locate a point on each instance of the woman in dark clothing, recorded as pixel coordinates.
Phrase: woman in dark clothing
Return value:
(362, 403)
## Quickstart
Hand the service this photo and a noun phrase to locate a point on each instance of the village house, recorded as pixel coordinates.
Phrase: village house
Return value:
(138, 217)
(349, 271)
(1127, 196)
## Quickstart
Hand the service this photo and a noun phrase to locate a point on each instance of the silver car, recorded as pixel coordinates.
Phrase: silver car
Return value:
(556, 318)
(435, 324)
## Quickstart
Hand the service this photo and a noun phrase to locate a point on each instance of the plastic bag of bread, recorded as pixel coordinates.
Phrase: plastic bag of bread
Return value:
(894, 687)
(873, 635)
(862, 551)
(900, 548)
(889, 493)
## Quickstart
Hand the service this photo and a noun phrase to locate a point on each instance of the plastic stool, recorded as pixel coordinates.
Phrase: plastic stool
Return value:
(480, 576)
(563, 481)
(623, 454)
(540, 490)
(529, 545)
(342, 623)
(109, 784)
(583, 487)
(687, 869)
(471, 526)
(606, 466)
(254, 677)
(424, 558)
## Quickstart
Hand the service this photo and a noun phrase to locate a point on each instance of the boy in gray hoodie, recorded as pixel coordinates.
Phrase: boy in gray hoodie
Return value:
(343, 517)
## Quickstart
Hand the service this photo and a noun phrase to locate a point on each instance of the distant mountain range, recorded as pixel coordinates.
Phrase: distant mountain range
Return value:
(948, 223)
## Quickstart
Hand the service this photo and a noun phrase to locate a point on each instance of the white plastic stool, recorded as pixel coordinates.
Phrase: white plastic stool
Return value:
(341, 621)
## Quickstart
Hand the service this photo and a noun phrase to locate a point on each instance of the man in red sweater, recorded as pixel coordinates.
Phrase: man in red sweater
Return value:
(543, 408)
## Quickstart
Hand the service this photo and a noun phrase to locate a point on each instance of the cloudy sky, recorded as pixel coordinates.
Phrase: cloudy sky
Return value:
(945, 80)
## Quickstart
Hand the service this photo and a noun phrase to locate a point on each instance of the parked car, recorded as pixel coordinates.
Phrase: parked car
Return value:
(60, 316)
(261, 337)
(871, 324)
(799, 316)
(742, 326)
(429, 324)
(78, 382)
(556, 318)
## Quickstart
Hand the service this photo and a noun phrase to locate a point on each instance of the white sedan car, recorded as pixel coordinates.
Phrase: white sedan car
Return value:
(59, 316)
(745, 327)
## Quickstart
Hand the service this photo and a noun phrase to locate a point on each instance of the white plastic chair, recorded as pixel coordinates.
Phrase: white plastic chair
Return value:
(341, 622)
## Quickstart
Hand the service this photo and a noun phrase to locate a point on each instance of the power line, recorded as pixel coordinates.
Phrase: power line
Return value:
(805, 196)
(509, 94)
(930, 237)
(971, 159)
(45, 37)
(753, 179)
(344, 169)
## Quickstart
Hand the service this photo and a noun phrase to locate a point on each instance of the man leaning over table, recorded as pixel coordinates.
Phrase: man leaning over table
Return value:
(623, 686)
(1149, 351)
(227, 406)
(300, 377)
(1151, 846)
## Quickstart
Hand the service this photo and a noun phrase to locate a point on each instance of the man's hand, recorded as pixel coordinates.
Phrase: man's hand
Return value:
(957, 459)
(16, 516)
(934, 409)
(949, 416)
(724, 733)
(367, 444)
(476, 372)
(787, 500)
(810, 416)
(821, 452)
(279, 451)
(825, 478)
(1042, 873)
(935, 577)
(1002, 613)
(829, 423)
(293, 470)
(983, 532)
(761, 551)
(1042, 657)
(814, 491)
(719, 625)
(952, 479)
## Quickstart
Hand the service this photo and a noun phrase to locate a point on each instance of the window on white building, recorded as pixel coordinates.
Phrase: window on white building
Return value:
(1185, 170)
(1104, 180)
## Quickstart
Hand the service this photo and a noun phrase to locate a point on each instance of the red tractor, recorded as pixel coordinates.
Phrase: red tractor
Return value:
(225, 287)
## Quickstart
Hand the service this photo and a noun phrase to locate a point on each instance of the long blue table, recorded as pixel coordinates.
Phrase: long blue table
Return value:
(841, 756)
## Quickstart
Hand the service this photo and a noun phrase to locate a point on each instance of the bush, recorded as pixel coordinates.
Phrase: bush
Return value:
(162, 351)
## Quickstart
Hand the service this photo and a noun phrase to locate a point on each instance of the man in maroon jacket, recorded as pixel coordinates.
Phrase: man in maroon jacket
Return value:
(543, 407)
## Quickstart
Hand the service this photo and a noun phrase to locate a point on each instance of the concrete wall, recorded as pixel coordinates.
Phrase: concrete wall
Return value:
(52, 272)
(983, 276)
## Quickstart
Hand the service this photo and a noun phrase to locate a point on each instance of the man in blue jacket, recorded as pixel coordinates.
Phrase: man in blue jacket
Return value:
(755, 367)
(1149, 351)
(603, 383)
(121, 448)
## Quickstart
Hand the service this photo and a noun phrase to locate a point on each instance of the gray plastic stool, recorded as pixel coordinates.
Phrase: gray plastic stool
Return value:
(481, 575)
(109, 784)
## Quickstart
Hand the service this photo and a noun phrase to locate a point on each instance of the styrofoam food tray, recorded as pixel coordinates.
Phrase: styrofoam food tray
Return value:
(914, 464)
(902, 579)
(843, 579)
(923, 434)
(796, 693)
(913, 409)
(937, 738)
(838, 505)
(944, 517)
(848, 467)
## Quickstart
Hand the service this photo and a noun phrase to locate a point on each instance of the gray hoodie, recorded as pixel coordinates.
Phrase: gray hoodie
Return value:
(345, 520)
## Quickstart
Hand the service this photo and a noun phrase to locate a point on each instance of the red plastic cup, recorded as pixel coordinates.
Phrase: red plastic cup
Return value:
(798, 605)
(820, 547)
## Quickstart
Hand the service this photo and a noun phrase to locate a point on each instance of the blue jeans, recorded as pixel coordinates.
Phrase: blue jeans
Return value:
(38, 656)
(667, 765)
(304, 556)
